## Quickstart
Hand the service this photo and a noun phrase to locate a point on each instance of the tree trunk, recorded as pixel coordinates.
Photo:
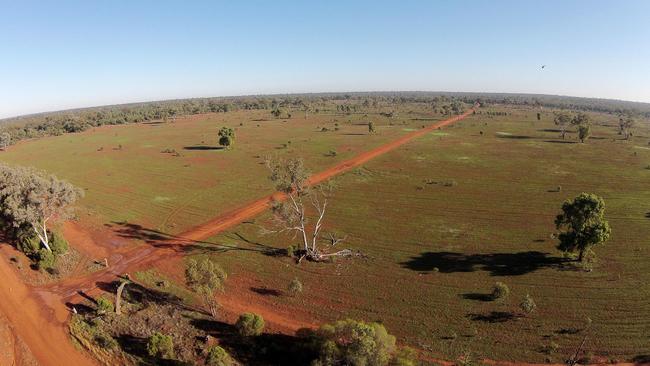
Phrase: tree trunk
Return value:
(581, 256)
(118, 298)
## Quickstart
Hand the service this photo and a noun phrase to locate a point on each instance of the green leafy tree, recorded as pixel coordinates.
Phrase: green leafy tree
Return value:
(160, 345)
(32, 199)
(5, 140)
(206, 278)
(562, 119)
(226, 137)
(250, 325)
(355, 343)
(371, 127)
(582, 224)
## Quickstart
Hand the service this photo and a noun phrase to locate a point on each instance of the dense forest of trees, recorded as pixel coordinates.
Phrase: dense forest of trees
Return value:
(56, 123)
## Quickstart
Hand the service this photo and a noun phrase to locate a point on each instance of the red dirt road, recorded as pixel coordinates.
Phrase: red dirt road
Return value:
(43, 329)
(39, 315)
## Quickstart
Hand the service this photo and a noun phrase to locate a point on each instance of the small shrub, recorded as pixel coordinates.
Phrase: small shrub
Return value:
(218, 356)
(45, 259)
(249, 325)
(500, 291)
(466, 358)
(29, 244)
(405, 356)
(295, 287)
(528, 304)
(291, 251)
(104, 306)
(550, 348)
(160, 345)
(58, 244)
(324, 129)
(332, 153)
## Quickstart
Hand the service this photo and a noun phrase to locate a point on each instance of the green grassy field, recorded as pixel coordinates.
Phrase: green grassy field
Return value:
(439, 221)
(435, 250)
(140, 184)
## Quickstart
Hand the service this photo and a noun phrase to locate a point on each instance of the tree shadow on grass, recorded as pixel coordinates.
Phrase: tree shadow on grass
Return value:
(647, 215)
(160, 239)
(135, 293)
(493, 317)
(137, 346)
(265, 349)
(560, 142)
(477, 296)
(515, 137)
(266, 291)
(498, 264)
(641, 359)
(550, 130)
(203, 147)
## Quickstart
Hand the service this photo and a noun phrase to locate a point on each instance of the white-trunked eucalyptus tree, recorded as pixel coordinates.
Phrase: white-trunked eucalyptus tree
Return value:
(303, 210)
(32, 199)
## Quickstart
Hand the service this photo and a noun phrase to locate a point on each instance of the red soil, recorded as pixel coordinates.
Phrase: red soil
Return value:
(42, 315)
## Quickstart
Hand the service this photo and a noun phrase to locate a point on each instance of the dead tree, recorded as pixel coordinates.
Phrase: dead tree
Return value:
(118, 295)
(294, 215)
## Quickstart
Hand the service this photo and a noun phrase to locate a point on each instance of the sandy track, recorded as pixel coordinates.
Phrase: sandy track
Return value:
(42, 315)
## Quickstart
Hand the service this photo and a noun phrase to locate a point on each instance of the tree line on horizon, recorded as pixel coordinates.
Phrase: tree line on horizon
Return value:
(57, 123)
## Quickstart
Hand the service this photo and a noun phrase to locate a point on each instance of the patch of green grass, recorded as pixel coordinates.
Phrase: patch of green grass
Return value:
(434, 253)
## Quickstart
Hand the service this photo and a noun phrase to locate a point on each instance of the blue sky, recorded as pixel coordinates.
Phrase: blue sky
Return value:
(65, 54)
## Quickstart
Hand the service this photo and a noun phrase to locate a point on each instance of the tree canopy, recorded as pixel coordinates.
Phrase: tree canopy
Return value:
(583, 224)
(226, 137)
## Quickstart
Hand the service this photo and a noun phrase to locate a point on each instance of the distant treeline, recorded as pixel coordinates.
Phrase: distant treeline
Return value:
(57, 123)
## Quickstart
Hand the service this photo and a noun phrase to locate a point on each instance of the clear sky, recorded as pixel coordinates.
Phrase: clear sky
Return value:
(64, 54)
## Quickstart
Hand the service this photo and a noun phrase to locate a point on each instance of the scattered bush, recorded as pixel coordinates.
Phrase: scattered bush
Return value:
(161, 346)
(528, 304)
(104, 306)
(550, 348)
(466, 358)
(351, 342)
(45, 259)
(295, 287)
(218, 356)
(249, 325)
(500, 291)
(291, 251)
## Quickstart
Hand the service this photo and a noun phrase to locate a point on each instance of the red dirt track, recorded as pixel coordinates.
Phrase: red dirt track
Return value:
(39, 314)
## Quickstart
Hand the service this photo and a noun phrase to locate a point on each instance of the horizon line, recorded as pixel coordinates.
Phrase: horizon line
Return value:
(149, 101)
